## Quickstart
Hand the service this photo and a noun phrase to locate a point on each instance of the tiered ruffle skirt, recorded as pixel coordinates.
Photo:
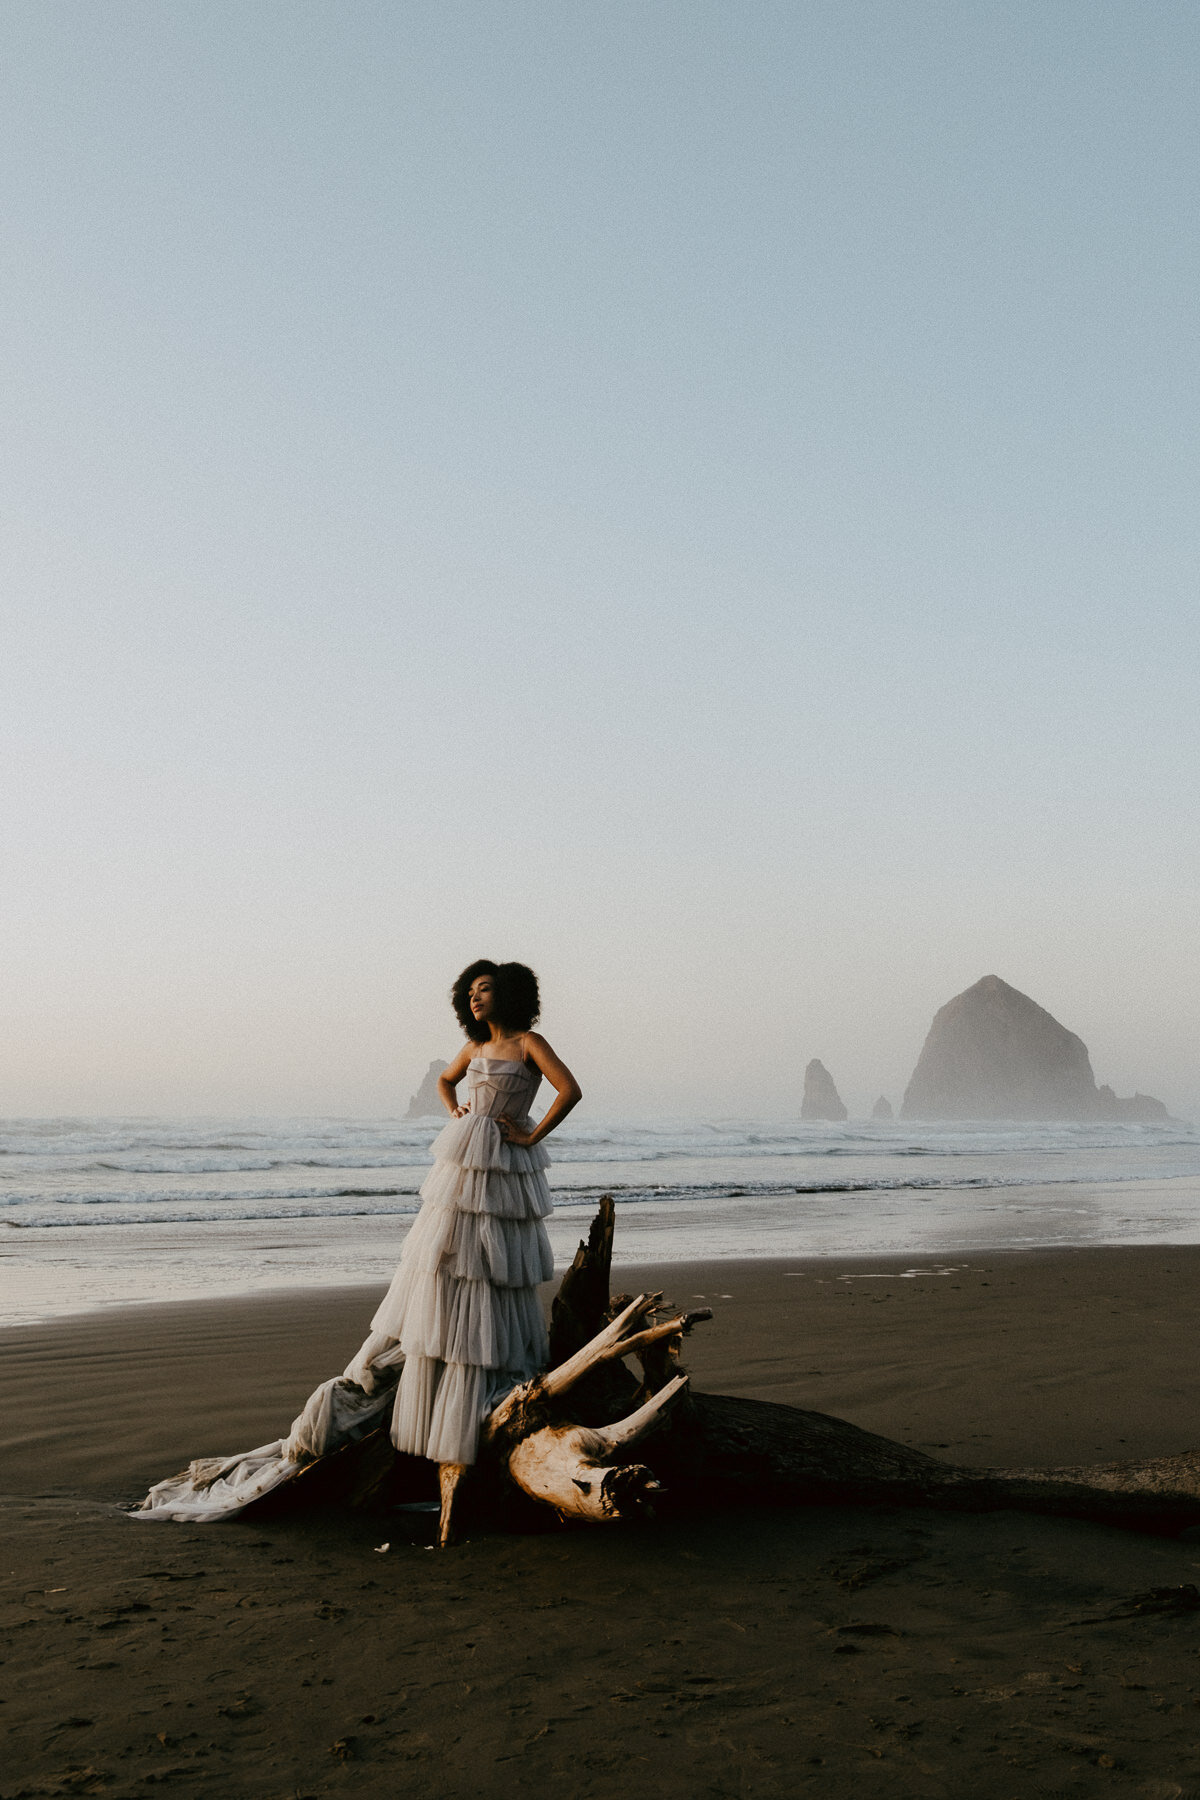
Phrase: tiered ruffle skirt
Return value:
(464, 1305)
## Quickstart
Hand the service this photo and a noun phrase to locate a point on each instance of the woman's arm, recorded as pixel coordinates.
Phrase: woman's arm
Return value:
(449, 1079)
(568, 1094)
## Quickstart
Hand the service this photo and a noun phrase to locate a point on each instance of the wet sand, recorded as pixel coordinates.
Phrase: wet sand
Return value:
(824, 1651)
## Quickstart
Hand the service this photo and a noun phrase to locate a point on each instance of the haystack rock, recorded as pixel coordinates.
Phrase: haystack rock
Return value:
(426, 1103)
(821, 1098)
(993, 1053)
(882, 1108)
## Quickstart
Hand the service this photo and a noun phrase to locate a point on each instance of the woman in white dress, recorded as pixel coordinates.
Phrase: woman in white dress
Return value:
(463, 1305)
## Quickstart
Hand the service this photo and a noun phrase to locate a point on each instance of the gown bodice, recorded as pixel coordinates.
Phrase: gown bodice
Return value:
(497, 1085)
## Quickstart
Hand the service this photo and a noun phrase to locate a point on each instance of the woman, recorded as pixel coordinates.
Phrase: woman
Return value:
(463, 1306)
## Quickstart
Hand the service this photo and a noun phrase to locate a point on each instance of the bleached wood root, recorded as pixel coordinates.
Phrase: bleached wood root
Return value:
(570, 1467)
(627, 1432)
(619, 1338)
(582, 1470)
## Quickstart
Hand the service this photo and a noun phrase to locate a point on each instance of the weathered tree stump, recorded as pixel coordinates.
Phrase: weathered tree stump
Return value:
(587, 1440)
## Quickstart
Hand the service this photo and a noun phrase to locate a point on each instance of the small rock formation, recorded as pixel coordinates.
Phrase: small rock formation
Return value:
(426, 1103)
(882, 1108)
(821, 1098)
(1142, 1108)
(993, 1053)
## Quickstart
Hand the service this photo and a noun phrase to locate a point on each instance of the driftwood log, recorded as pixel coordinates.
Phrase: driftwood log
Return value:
(590, 1440)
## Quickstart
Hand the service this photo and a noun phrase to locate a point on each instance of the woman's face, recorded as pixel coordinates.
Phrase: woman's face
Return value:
(481, 996)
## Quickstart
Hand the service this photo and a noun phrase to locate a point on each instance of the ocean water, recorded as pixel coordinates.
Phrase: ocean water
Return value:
(97, 1212)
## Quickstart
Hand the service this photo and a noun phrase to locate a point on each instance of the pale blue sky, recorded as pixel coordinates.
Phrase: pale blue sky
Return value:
(699, 497)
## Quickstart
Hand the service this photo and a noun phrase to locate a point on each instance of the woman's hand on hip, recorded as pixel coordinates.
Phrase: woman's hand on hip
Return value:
(513, 1134)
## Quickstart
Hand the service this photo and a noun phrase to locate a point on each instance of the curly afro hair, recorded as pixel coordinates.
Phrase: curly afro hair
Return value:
(517, 1001)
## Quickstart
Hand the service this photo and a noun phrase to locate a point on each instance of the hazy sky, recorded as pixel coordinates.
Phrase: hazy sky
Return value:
(700, 498)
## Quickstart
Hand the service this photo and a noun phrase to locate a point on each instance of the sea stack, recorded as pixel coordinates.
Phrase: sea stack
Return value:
(882, 1108)
(1142, 1108)
(426, 1103)
(993, 1053)
(821, 1098)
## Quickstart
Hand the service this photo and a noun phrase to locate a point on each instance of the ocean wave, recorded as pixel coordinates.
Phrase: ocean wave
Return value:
(243, 1165)
(200, 1197)
(158, 1146)
(200, 1215)
(74, 1208)
(568, 1153)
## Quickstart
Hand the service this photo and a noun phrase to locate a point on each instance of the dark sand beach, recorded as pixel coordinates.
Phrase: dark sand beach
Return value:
(824, 1651)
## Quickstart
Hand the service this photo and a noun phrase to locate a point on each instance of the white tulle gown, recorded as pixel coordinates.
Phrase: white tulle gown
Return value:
(463, 1305)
